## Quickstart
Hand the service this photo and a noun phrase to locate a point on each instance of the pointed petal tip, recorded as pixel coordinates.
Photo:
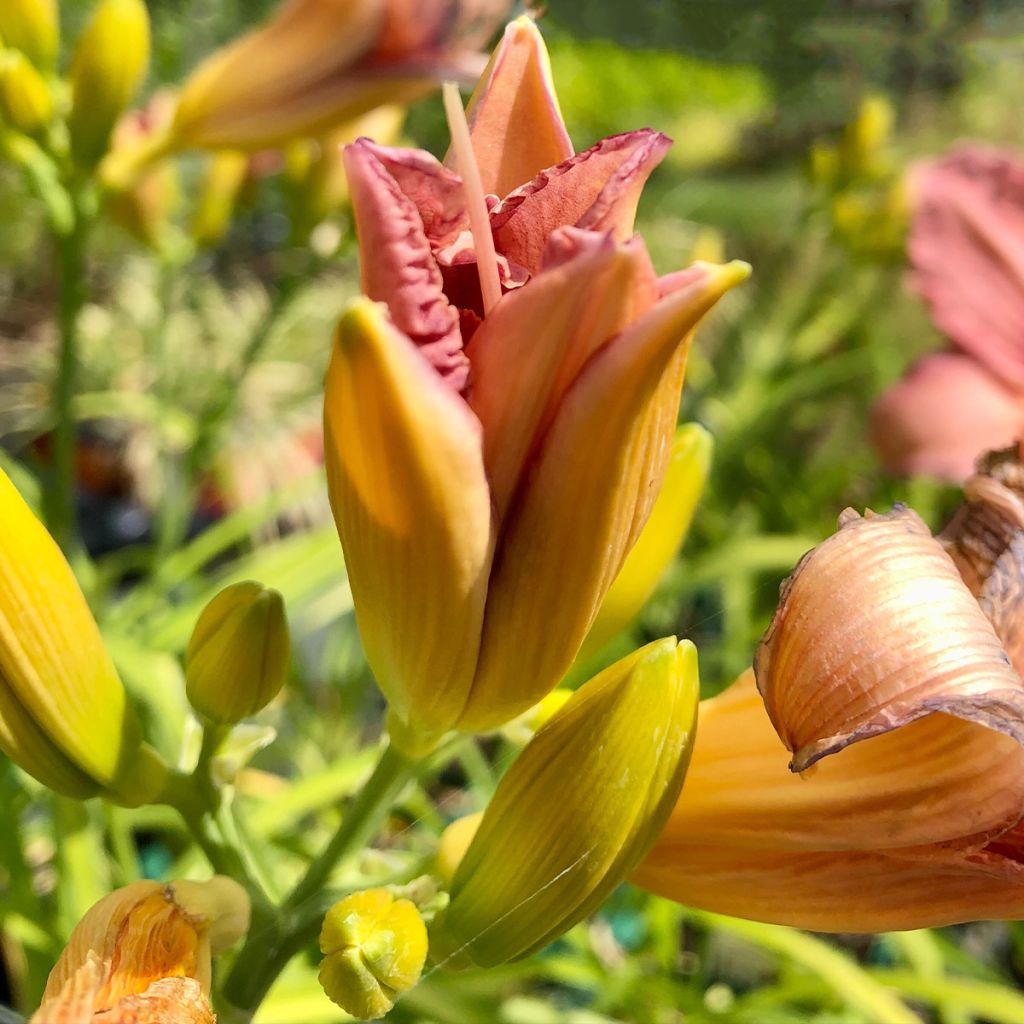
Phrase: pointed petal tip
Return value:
(722, 277)
(361, 317)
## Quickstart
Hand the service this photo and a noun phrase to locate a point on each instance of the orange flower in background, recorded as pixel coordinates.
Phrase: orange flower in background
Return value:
(881, 667)
(499, 426)
(966, 253)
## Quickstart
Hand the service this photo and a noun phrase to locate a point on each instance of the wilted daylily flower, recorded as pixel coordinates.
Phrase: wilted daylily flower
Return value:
(965, 254)
(319, 63)
(881, 666)
(498, 428)
(142, 955)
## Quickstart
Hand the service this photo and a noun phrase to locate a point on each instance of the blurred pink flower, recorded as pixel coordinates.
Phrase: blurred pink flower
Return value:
(966, 252)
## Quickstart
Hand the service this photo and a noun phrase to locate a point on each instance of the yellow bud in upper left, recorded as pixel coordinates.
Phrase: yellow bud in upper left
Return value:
(31, 26)
(109, 65)
(64, 714)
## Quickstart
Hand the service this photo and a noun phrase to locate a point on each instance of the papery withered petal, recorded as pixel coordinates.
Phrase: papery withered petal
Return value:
(1002, 600)
(515, 124)
(73, 1001)
(942, 415)
(597, 189)
(398, 267)
(532, 346)
(875, 629)
(168, 1001)
(966, 251)
(588, 494)
(990, 517)
(407, 486)
(836, 891)
(939, 780)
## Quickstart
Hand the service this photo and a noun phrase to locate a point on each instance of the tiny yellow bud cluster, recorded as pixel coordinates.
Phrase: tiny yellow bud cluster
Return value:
(374, 949)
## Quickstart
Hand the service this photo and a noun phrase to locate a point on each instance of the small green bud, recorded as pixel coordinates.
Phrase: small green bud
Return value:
(237, 657)
(25, 100)
(374, 949)
(109, 65)
(31, 26)
(576, 812)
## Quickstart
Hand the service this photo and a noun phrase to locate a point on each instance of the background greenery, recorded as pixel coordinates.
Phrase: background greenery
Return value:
(783, 376)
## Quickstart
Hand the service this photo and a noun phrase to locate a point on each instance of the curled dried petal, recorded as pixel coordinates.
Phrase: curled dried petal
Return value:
(875, 629)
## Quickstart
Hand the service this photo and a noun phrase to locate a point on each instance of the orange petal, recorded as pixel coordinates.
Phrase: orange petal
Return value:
(515, 124)
(598, 189)
(530, 349)
(588, 495)
(874, 629)
(406, 482)
(942, 415)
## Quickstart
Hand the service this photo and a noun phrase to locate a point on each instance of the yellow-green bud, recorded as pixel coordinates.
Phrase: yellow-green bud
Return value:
(374, 949)
(64, 713)
(109, 65)
(576, 811)
(31, 26)
(25, 100)
(225, 176)
(660, 539)
(237, 657)
(453, 844)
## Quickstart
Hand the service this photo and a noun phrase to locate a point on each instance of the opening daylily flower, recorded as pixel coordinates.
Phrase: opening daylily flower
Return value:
(883, 672)
(492, 459)
(966, 253)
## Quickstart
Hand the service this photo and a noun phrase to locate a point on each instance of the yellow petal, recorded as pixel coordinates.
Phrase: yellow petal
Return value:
(576, 811)
(410, 498)
(660, 539)
(515, 124)
(589, 493)
(874, 629)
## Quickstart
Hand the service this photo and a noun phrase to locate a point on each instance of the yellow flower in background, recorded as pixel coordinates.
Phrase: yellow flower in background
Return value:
(142, 955)
(65, 717)
(660, 539)
(319, 63)
(25, 100)
(493, 450)
(238, 655)
(880, 666)
(575, 813)
(109, 65)
(374, 949)
(31, 26)
(225, 175)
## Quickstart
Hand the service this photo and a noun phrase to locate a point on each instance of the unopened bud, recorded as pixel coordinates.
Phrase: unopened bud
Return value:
(454, 843)
(109, 65)
(25, 100)
(374, 949)
(577, 810)
(31, 26)
(225, 176)
(238, 655)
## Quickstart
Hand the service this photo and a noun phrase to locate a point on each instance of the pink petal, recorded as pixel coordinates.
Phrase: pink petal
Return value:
(398, 267)
(598, 189)
(946, 412)
(966, 252)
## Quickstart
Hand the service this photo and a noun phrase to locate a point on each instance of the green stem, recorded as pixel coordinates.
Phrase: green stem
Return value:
(71, 259)
(266, 952)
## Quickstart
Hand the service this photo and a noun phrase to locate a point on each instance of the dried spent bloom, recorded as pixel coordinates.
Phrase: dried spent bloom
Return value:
(575, 813)
(319, 63)
(374, 949)
(238, 655)
(65, 717)
(964, 252)
(881, 667)
(142, 955)
(499, 425)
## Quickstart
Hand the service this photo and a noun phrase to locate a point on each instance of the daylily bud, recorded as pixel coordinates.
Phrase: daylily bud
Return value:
(874, 629)
(374, 949)
(225, 176)
(576, 811)
(108, 67)
(454, 843)
(143, 954)
(319, 63)
(660, 538)
(25, 101)
(31, 26)
(237, 657)
(64, 714)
